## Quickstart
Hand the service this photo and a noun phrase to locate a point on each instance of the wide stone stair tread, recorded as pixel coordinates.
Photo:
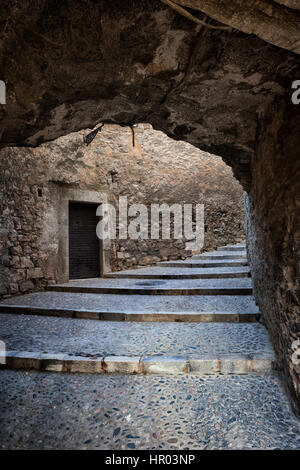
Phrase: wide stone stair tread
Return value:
(223, 412)
(221, 255)
(135, 308)
(204, 358)
(195, 263)
(161, 272)
(202, 341)
(238, 286)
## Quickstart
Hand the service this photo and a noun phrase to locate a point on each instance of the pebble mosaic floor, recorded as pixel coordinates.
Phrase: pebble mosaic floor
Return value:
(60, 411)
(88, 337)
(172, 284)
(211, 263)
(133, 303)
(44, 410)
(163, 271)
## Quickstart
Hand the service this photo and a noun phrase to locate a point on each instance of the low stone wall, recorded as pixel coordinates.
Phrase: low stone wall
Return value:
(273, 233)
(140, 163)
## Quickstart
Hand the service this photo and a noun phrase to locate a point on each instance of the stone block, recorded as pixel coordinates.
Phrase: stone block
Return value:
(145, 260)
(230, 364)
(87, 315)
(4, 234)
(52, 362)
(5, 260)
(34, 273)
(3, 289)
(13, 288)
(16, 250)
(23, 360)
(83, 365)
(164, 365)
(14, 261)
(121, 365)
(26, 286)
(26, 263)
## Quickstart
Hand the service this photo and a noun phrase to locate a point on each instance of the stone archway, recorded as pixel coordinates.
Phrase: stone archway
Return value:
(226, 92)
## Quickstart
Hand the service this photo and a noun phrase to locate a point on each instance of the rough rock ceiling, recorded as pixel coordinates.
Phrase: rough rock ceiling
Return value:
(274, 21)
(71, 64)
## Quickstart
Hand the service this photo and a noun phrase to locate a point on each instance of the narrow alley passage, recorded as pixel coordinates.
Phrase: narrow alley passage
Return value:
(170, 356)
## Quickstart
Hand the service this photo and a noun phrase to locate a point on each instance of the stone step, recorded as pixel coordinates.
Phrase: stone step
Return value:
(86, 346)
(232, 248)
(158, 365)
(221, 255)
(147, 308)
(127, 412)
(159, 272)
(194, 263)
(239, 286)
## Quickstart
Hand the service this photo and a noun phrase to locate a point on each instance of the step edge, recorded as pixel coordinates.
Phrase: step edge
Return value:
(82, 314)
(154, 291)
(206, 364)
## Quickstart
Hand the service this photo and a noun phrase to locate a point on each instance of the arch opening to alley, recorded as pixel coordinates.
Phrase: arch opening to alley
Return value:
(225, 92)
(152, 171)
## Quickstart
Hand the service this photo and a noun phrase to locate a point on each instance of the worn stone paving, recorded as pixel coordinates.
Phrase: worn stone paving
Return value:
(207, 263)
(157, 285)
(44, 410)
(158, 271)
(136, 304)
(87, 337)
(221, 255)
(61, 411)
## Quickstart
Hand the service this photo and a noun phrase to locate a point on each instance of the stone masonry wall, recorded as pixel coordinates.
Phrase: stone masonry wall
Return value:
(148, 168)
(22, 210)
(273, 236)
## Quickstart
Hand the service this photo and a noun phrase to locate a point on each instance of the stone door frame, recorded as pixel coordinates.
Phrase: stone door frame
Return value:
(78, 195)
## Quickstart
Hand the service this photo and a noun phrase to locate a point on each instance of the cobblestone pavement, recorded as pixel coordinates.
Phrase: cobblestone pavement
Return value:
(157, 285)
(205, 263)
(61, 411)
(221, 255)
(83, 337)
(44, 410)
(157, 271)
(138, 304)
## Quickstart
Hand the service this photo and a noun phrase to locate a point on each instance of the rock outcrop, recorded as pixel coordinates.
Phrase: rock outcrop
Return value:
(70, 65)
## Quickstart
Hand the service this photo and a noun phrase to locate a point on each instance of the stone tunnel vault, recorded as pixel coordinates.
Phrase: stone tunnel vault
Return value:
(137, 62)
(228, 93)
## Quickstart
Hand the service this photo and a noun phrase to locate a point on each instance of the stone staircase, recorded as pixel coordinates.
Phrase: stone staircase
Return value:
(171, 356)
(203, 321)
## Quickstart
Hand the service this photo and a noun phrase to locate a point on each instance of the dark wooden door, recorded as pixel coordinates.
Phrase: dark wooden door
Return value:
(84, 260)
